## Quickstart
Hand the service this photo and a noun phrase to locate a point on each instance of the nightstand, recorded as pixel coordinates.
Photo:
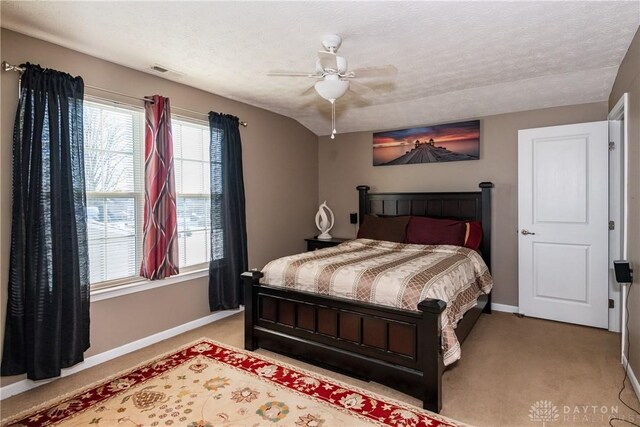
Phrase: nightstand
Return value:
(314, 243)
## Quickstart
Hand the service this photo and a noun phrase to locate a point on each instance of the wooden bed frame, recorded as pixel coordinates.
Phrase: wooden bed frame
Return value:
(395, 347)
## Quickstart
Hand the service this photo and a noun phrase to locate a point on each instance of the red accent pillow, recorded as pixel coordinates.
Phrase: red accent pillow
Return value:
(473, 236)
(391, 228)
(436, 231)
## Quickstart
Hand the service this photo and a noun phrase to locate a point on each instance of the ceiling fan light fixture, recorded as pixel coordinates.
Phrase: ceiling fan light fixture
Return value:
(332, 89)
(333, 72)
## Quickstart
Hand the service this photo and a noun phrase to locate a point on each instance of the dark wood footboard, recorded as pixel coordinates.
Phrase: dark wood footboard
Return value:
(398, 348)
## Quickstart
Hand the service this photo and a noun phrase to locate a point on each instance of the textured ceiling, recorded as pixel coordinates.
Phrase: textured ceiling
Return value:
(455, 60)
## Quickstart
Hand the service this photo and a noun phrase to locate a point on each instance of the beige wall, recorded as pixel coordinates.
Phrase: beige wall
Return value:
(281, 180)
(347, 161)
(628, 80)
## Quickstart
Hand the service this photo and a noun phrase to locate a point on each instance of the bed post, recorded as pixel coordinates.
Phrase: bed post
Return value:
(249, 279)
(486, 221)
(430, 346)
(486, 231)
(362, 205)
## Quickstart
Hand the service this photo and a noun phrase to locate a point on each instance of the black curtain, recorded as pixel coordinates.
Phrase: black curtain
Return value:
(47, 325)
(228, 220)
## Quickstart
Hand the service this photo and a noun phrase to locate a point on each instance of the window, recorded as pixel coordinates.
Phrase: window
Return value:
(114, 173)
(192, 171)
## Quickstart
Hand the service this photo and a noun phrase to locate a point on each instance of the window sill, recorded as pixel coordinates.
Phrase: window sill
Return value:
(145, 285)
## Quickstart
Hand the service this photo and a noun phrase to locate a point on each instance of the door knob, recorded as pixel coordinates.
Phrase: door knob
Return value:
(526, 232)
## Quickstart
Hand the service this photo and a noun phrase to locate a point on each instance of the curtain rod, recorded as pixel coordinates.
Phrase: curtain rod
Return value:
(8, 67)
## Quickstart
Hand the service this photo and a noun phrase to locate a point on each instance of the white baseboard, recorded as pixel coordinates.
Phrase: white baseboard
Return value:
(504, 308)
(24, 385)
(632, 376)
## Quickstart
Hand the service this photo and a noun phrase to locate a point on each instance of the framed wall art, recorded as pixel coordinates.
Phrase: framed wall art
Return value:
(450, 142)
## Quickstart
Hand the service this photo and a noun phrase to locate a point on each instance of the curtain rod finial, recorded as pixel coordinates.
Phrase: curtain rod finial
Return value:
(8, 67)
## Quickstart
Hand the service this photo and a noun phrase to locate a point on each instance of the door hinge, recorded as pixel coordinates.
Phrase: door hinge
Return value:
(612, 225)
(611, 303)
(612, 145)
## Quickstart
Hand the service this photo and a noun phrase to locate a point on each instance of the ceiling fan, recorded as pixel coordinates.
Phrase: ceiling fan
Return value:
(334, 77)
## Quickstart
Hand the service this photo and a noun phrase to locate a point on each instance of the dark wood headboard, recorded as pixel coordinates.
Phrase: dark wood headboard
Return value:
(467, 206)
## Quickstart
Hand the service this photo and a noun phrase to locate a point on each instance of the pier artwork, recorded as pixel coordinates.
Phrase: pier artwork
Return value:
(429, 144)
(428, 152)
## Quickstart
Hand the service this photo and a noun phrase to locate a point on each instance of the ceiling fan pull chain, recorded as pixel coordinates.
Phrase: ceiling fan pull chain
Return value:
(333, 119)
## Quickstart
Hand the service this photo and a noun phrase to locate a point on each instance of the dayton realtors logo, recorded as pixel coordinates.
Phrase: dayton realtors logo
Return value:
(544, 411)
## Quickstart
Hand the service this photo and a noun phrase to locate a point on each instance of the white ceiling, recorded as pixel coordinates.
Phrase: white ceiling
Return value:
(455, 60)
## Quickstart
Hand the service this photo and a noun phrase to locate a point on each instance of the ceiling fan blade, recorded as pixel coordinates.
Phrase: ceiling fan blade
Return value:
(308, 91)
(352, 99)
(359, 88)
(373, 72)
(327, 60)
(291, 74)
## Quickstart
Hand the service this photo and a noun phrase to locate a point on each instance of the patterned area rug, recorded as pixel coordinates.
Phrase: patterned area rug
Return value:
(210, 384)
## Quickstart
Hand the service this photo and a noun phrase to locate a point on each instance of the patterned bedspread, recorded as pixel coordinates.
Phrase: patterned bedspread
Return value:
(393, 274)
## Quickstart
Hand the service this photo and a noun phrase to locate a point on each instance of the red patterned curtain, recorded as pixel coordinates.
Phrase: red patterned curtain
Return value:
(160, 241)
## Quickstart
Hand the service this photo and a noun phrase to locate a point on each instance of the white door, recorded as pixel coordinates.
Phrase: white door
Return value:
(563, 223)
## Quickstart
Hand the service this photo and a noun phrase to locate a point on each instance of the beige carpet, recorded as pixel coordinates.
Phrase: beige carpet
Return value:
(508, 365)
